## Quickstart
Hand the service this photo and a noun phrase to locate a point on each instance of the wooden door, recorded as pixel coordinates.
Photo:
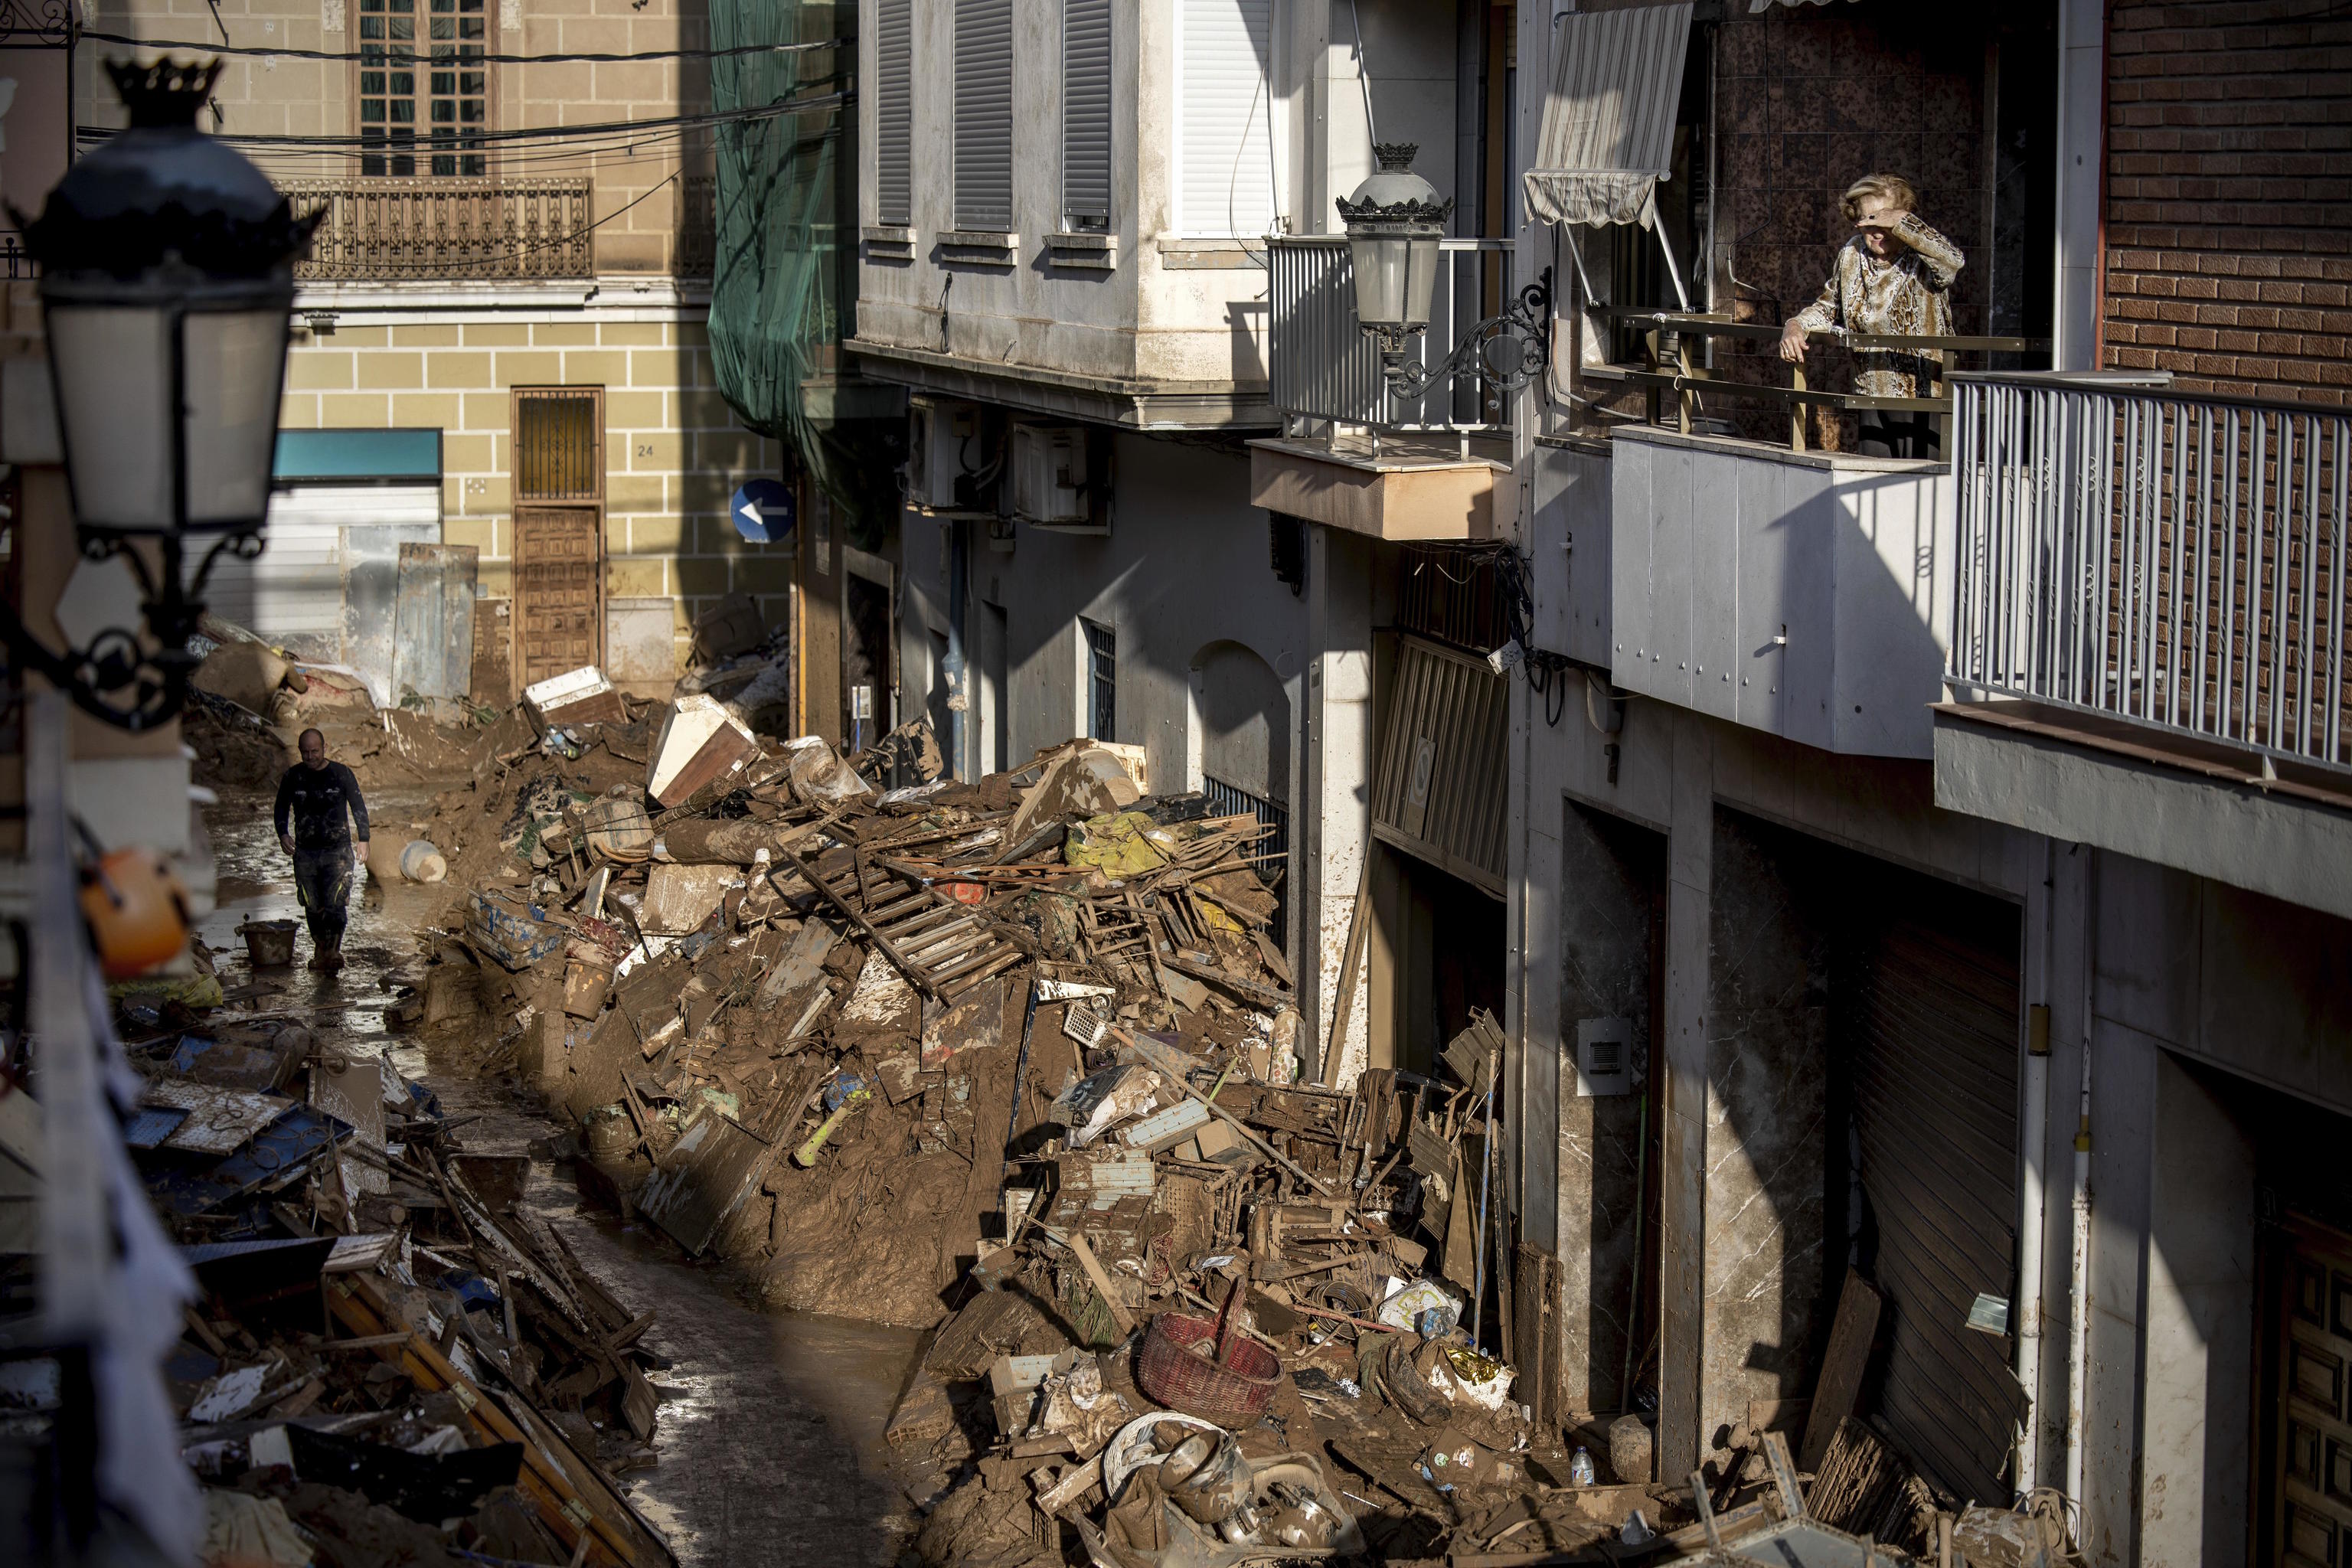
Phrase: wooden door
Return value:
(559, 586)
(2310, 1485)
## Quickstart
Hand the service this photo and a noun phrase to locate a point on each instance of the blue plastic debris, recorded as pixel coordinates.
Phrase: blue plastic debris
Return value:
(150, 1125)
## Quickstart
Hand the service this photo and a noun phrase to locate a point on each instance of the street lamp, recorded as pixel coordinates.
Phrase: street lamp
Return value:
(1394, 221)
(167, 289)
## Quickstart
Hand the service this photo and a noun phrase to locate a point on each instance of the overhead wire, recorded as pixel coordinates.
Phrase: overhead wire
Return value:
(377, 54)
(466, 142)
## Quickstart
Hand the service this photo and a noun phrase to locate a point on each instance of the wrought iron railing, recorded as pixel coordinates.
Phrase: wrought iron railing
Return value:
(1673, 348)
(1323, 366)
(2163, 557)
(413, 230)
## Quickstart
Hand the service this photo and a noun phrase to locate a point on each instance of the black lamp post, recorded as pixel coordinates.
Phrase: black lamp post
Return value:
(167, 288)
(1395, 221)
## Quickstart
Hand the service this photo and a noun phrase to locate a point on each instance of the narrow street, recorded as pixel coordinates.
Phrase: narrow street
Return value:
(769, 1436)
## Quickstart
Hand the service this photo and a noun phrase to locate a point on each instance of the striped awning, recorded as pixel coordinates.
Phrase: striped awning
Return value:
(1608, 124)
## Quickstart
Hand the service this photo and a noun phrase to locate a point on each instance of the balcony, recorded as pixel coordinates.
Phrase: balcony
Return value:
(1352, 455)
(1770, 584)
(388, 230)
(2148, 648)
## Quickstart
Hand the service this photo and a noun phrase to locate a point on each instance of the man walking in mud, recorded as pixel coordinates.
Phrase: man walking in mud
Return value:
(314, 795)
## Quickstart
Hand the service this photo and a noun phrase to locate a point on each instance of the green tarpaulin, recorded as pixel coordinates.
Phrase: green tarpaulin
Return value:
(784, 276)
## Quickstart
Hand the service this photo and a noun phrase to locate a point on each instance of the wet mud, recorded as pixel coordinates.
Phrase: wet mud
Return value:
(769, 1445)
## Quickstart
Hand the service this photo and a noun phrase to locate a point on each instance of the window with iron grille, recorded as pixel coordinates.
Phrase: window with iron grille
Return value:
(1086, 113)
(423, 95)
(558, 444)
(894, 113)
(1102, 681)
(984, 115)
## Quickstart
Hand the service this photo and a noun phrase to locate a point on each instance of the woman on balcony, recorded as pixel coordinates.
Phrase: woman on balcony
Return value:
(1895, 276)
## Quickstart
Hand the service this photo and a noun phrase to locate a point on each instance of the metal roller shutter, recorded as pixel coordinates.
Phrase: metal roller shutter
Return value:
(1086, 113)
(1224, 167)
(984, 115)
(1439, 790)
(894, 112)
(1932, 1050)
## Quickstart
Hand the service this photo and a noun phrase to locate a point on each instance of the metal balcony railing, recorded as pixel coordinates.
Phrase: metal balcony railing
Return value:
(388, 230)
(1324, 368)
(2163, 557)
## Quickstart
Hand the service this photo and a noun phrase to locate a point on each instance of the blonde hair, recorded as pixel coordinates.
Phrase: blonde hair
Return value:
(1894, 189)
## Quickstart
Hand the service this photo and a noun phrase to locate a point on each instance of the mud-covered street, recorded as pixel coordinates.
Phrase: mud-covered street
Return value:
(769, 1445)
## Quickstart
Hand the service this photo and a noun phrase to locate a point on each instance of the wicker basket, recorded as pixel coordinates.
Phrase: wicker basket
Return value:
(1173, 1371)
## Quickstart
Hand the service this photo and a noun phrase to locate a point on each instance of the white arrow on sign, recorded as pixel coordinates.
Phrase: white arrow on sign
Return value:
(757, 513)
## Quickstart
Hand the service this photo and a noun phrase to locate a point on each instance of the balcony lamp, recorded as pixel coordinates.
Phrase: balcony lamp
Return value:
(167, 291)
(1395, 221)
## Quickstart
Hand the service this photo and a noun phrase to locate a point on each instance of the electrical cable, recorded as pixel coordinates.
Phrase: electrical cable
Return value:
(378, 54)
(462, 142)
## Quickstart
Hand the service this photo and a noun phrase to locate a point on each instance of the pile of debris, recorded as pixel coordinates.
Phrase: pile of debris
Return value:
(393, 1361)
(1017, 1060)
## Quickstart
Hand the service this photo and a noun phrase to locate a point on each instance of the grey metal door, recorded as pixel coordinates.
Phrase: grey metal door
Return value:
(1932, 1047)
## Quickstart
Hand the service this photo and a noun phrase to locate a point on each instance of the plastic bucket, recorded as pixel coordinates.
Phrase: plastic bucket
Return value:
(269, 943)
(421, 862)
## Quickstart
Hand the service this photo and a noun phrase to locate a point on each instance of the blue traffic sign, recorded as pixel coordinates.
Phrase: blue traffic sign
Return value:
(763, 511)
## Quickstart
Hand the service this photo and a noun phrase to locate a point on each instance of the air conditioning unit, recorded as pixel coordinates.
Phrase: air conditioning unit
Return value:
(943, 446)
(1050, 478)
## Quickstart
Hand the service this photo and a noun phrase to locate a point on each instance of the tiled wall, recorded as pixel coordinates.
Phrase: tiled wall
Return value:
(1808, 100)
(673, 451)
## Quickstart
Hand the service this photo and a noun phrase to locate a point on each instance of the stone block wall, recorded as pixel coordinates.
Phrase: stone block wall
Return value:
(673, 450)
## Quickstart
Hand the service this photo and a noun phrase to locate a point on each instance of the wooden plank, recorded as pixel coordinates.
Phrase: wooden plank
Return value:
(1094, 1275)
(1856, 1325)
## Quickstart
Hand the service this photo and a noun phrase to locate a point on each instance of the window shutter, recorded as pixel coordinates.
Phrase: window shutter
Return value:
(1086, 113)
(983, 114)
(894, 112)
(1224, 166)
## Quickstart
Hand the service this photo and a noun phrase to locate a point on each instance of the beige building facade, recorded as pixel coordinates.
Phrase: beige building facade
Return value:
(499, 281)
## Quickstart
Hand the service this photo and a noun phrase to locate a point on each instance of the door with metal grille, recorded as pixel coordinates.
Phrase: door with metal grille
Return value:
(2310, 1489)
(558, 545)
(1930, 1026)
(559, 576)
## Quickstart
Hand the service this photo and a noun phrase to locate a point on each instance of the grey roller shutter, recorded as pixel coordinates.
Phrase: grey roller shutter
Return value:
(1933, 1044)
(1440, 789)
(894, 112)
(1086, 113)
(984, 115)
(1225, 164)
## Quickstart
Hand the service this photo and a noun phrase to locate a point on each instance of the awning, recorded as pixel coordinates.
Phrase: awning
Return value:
(1608, 124)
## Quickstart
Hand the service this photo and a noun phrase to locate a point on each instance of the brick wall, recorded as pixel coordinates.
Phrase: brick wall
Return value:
(2229, 195)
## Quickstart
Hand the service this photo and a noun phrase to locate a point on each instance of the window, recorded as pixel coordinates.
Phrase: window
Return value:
(1101, 651)
(559, 444)
(984, 115)
(421, 111)
(1224, 147)
(894, 113)
(1086, 113)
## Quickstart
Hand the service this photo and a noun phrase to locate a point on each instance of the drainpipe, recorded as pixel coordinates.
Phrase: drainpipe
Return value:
(2034, 1183)
(954, 667)
(2078, 1341)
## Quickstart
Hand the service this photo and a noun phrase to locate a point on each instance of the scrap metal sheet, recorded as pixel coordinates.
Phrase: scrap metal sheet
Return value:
(219, 1120)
